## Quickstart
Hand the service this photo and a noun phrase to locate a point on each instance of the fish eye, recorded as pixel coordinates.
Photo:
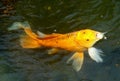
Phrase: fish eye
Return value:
(87, 39)
(84, 32)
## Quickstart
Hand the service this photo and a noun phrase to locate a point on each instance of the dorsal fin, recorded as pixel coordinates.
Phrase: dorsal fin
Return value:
(77, 59)
(40, 34)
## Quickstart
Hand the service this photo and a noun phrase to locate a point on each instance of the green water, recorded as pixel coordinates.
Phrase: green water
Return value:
(60, 16)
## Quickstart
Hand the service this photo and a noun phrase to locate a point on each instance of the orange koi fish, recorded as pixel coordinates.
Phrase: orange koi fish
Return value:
(77, 42)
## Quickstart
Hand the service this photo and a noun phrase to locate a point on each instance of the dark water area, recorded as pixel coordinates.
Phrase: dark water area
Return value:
(59, 16)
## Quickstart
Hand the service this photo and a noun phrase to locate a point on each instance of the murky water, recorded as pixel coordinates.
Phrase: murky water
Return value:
(62, 16)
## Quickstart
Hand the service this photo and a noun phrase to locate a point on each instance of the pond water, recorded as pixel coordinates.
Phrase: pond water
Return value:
(60, 16)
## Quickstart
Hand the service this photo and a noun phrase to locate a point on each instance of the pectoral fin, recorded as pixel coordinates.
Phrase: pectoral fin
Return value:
(53, 51)
(95, 54)
(77, 58)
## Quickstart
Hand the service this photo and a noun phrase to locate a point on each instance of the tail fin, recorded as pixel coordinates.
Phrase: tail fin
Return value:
(77, 58)
(23, 25)
(18, 25)
(28, 42)
(29, 32)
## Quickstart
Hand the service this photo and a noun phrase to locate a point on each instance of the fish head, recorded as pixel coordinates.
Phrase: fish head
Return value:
(87, 37)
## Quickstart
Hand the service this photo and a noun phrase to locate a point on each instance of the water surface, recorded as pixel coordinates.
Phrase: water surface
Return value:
(60, 16)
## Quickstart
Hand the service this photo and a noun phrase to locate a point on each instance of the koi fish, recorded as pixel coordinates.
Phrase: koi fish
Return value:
(78, 42)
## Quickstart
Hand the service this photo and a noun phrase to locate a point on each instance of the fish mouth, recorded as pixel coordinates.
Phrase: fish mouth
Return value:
(100, 35)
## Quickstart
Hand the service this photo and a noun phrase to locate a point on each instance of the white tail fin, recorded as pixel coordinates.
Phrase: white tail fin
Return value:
(77, 58)
(95, 54)
(18, 25)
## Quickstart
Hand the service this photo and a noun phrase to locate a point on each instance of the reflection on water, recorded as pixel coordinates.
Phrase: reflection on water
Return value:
(18, 64)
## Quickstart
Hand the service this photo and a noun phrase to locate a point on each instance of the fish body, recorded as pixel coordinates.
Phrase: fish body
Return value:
(77, 42)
